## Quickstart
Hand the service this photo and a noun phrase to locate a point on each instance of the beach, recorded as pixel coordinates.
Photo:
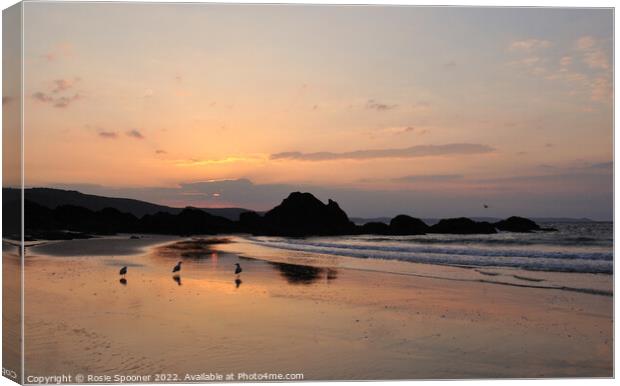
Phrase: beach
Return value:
(293, 313)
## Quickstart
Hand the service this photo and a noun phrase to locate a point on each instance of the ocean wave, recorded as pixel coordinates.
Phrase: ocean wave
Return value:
(529, 259)
(443, 250)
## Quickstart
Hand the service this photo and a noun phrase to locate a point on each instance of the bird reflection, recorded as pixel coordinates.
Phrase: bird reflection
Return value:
(238, 282)
(123, 281)
(177, 279)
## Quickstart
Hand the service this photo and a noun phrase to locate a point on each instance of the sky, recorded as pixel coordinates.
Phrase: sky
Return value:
(432, 112)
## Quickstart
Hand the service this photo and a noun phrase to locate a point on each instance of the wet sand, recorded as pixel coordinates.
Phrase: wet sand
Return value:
(326, 320)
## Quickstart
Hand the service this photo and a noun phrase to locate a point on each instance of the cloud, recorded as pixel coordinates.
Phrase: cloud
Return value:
(59, 51)
(58, 102)
(372, 104)
(450, 64)
(65, 101)
(42, 97)
(601, 89)
(529, 45)
(134, 133)
(429, 178)
(399, 130)
(202, 162)
(585, 43)
(108, 134)
(602, 165)
(408, 152)
(160, 151)
(61, 85)
(566, 61)
(595, 82)
(57, 94)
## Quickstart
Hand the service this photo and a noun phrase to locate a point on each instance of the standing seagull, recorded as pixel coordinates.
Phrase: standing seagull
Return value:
(238, 270)
(123, 271)
(177, 267)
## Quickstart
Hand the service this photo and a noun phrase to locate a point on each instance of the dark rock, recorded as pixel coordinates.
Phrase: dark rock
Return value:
(302, 214)
(463, 226)
(375, 228)
(517, 224)
(407, 225)
(250, 222)
(190, 221)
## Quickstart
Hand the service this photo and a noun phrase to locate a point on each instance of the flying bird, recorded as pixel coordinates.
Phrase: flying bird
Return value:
(177, 267)
(238, 270)
(123, 271)
(485, 206)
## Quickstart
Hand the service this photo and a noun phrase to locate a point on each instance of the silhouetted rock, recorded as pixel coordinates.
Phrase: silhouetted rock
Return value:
(407, 225)
(517, 224)
(302, 214)
(250, 222)
(190, 221)
(374, 228)
(463, 226)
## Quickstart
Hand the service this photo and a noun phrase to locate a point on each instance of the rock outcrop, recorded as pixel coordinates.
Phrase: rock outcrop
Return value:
(302, 214)
(517, 224)
(463, 226)
(407, 225)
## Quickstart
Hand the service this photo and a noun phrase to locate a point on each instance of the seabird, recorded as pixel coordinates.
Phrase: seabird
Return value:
(238, 270)
(177, 267)
(123, 271)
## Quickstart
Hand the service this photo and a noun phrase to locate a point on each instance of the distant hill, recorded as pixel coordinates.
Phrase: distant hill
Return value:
(52, 198)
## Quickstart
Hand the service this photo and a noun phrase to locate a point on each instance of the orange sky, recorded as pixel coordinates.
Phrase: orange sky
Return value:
(371, 99)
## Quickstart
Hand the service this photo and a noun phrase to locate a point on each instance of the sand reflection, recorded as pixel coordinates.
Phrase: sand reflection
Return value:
(303, 274)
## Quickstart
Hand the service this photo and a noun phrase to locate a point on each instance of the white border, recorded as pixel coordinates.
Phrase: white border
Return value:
(483, 3)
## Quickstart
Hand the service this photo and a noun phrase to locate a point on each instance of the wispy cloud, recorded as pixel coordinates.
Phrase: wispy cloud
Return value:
(408, 152)
(108, 134)
(59, 93)
(398, 130)
(429, 178)
(529, 45)
(602, 165)
(135, 133)
(566, 61)
(59, 51)
(65, 101)
(202, 162)
(372, 104)
(160, 151)
(593, 54)
(60, 85)
(594, 82)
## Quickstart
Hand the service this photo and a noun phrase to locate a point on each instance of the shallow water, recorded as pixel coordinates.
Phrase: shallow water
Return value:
(325, 321)
(576, 247)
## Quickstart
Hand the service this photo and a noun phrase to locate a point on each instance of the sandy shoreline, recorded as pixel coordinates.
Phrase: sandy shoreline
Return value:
(326, 321)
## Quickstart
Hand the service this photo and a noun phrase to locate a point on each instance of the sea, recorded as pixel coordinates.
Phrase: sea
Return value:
(577, 247)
